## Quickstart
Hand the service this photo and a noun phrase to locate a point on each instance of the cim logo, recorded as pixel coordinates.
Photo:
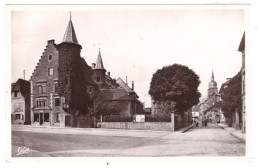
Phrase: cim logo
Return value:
(22, 150)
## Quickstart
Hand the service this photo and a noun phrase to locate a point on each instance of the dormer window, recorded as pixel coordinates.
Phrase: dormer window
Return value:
(50, 57)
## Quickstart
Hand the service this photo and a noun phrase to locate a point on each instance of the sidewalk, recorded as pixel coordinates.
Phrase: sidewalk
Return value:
(237, 133)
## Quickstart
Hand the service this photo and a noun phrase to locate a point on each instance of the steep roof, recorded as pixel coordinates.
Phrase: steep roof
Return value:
(216, 105)
(87, 70)
(241, 47)
(99, 63)
(23, 86)
(195, 108)
(113, 94)
(70, 35)
(124, 86)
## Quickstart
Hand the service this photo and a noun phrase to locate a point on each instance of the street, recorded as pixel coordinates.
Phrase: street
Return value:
(95, 142)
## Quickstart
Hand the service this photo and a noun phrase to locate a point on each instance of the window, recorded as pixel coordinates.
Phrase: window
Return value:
(90, 90)
(50, 57)
(17, 116)
(56, 87)
(41, 88)
(57, 101)
(56, 117)
(50, 71)
(15, 94)
(98, 79)
(40, 103)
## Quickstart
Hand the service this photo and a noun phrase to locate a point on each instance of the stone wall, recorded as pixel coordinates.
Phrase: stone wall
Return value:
(156, 126)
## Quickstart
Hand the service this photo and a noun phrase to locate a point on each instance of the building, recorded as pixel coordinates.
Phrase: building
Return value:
(211, 106)
(241, 49)
(20, 104)
(195, 113)
(48, 108)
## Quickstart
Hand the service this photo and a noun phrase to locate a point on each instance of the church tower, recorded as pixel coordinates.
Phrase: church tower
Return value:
(213, 89)
(99, 72)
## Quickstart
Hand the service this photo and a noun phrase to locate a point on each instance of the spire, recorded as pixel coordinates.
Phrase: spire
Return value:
(70, 35)
(212, 76)
(99, 63)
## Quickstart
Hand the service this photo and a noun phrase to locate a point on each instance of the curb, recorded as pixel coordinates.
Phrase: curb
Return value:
(231, 133)
(187, 128)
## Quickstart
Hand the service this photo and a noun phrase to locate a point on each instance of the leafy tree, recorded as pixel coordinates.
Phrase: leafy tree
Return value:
(71, 81)
(232, 98)
(104, 108)
(175, 83)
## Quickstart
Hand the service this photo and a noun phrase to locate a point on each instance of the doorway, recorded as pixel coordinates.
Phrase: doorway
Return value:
(67, 121)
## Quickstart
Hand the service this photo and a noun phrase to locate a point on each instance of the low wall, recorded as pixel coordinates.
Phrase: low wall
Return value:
(157, 126)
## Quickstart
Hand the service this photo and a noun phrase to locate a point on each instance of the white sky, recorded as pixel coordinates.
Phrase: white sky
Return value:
(136, 42)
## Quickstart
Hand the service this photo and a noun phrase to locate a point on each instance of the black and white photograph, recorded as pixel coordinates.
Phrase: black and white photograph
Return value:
(128, 81)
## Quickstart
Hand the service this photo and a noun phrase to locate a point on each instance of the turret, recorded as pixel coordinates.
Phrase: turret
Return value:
(99, 72)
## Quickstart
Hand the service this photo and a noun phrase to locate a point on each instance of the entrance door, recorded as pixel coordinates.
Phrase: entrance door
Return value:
(67, 121)
(41, 118)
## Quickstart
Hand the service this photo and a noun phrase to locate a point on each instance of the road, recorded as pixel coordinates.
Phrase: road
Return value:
(67, 142)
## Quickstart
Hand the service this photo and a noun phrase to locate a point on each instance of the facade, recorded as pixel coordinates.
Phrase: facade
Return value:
(48, 108)
(241, 49)
(20, 104)
(211, 106)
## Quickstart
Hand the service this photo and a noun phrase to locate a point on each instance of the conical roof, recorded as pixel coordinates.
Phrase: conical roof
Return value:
(70, 35)
(99, 63)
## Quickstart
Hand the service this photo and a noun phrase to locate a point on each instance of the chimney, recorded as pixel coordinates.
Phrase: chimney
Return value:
(24, 74)
(126, 80)
(108, 74)
(93, 65)
(133, 85)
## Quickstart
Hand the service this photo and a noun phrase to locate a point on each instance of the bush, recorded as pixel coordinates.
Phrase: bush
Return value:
(85, 122)
(158, 118)
(118, 119)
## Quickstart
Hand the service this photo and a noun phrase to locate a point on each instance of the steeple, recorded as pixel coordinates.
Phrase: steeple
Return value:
(212, 76)
(99, 63)
(70, 35)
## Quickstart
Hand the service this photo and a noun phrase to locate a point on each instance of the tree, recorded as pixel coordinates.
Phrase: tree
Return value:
(103, 108)
(232, 98)
(175, 83)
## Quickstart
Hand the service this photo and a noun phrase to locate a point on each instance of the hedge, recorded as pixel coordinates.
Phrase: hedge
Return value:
(118, 119)
(158, 118)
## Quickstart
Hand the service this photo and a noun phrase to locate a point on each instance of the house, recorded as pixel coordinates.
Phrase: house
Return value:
(124, 104)
(241, 49)
(48, 107)
(20, 103)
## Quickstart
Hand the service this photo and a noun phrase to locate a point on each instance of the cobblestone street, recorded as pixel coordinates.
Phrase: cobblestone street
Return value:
(59, 142)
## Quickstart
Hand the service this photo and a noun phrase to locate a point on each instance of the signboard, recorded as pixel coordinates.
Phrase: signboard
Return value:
(139, 118)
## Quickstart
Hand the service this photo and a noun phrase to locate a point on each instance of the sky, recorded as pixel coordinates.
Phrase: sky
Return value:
(135, 42)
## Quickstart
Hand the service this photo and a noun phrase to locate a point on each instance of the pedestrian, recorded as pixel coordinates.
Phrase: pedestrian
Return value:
(197, 123)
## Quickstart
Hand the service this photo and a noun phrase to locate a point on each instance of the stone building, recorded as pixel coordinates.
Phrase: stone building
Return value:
(48, 108)
(241, 49)
(20, 103)
(211, 106)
